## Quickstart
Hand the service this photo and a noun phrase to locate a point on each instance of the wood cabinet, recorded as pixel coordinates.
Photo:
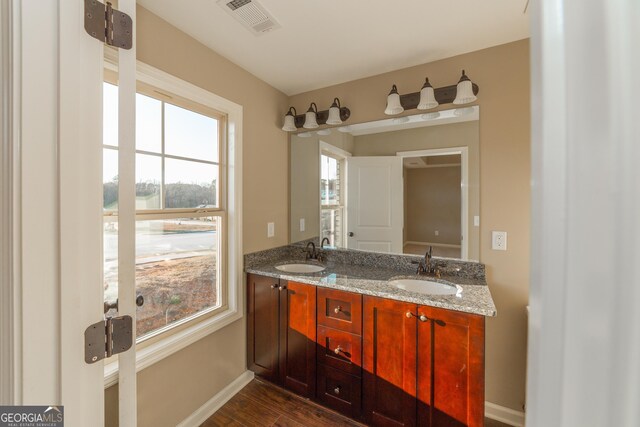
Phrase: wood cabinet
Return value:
(392, 363)
(281, 332)
(340, 351)
(422, 365)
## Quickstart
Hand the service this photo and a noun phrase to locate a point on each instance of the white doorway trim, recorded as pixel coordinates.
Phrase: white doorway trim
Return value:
(10, 324)
(464, 184)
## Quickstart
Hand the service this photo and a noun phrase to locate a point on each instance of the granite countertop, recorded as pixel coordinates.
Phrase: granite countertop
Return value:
(367, 280)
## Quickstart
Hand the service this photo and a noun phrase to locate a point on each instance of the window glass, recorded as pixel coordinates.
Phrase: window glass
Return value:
(190, 184)
(148, 124)
(148, 180)
(110, 114)
(110, 179)
(176, 269)
(329, 181)
(177, 260)
(189, 134)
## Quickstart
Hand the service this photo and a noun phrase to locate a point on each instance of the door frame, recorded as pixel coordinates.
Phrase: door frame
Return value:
(464, 181)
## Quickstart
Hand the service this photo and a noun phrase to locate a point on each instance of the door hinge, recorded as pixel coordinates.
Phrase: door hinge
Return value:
(107, 24)
(108, 337)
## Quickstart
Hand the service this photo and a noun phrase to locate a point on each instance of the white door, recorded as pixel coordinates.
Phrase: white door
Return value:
(81, 63)
(375, 207)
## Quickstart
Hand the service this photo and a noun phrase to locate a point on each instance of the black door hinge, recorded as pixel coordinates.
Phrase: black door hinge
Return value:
(107, 24)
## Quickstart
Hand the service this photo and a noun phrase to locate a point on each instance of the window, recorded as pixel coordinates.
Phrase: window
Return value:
(180, 208)
(331, 197)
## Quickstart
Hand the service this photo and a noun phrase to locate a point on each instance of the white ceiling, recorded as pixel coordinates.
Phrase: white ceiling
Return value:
(326, 42)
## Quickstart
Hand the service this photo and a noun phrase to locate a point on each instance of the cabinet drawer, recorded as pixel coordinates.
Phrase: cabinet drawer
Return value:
(339, 349)
(340, 310)
(339, 391)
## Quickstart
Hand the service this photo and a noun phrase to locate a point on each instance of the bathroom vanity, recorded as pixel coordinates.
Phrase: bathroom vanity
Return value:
(356, 338)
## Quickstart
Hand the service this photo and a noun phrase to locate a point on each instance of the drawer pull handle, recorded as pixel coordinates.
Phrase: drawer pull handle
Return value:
(337, 350)
(337, 310)
(336, 390)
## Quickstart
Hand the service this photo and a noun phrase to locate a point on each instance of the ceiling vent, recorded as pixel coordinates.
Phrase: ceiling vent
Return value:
(251, 14)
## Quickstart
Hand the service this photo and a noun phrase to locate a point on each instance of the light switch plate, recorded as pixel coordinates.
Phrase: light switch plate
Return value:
(476, 221)
(302, 227)
(271, 229)
(499, 240)
(437, 233)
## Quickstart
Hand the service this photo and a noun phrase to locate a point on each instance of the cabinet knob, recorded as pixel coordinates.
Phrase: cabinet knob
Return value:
(336, 390)
(274, 286)
(337, 310)
(337, 350)
(409, 315)
(350, 234)
(423, 318)
(282, 288)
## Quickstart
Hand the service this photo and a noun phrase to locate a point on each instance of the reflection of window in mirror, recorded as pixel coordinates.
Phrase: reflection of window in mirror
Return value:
(331, 197)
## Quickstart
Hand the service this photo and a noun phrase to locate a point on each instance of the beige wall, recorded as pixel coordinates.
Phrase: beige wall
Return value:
(432, 202)
(174, 388)
(502, 73)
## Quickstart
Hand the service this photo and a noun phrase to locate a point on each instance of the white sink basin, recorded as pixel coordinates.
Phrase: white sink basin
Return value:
(300, 268)
(426, 287)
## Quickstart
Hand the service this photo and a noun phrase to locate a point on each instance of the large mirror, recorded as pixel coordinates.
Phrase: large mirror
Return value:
(396, 185)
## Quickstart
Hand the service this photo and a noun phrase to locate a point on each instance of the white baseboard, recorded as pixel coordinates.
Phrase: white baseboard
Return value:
(504, 415)
(212, 405)
(441, 245)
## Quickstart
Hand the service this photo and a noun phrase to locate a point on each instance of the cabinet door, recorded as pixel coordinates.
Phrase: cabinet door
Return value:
(389, 362)
(298, 337)
(450, 368)
(262, 326)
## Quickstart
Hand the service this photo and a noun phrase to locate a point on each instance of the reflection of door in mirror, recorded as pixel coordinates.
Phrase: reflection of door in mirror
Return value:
(375, 208)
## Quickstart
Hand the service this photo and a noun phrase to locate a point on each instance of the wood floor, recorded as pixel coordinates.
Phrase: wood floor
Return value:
(261, 404)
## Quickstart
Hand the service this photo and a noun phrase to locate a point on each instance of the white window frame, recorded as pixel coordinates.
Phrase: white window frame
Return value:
(341, 155)
(165, 346)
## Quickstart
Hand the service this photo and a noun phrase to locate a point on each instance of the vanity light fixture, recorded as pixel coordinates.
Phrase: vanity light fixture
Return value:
(313, 118)
(429, 97)
(464, 91)
(394, 106)
(290, 120)
(334, 113)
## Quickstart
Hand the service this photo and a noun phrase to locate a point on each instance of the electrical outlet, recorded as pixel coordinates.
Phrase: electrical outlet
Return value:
(499, 240)
(271, 229)
(437, 233)
(302, 227)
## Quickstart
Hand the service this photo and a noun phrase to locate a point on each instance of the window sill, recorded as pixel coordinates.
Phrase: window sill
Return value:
(173, 343)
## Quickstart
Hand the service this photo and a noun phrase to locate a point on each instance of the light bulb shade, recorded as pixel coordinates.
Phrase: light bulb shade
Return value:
(393, 102)
(311, 117)
(290, 121)
(334, 113)
(464, 91)
(427, 97)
